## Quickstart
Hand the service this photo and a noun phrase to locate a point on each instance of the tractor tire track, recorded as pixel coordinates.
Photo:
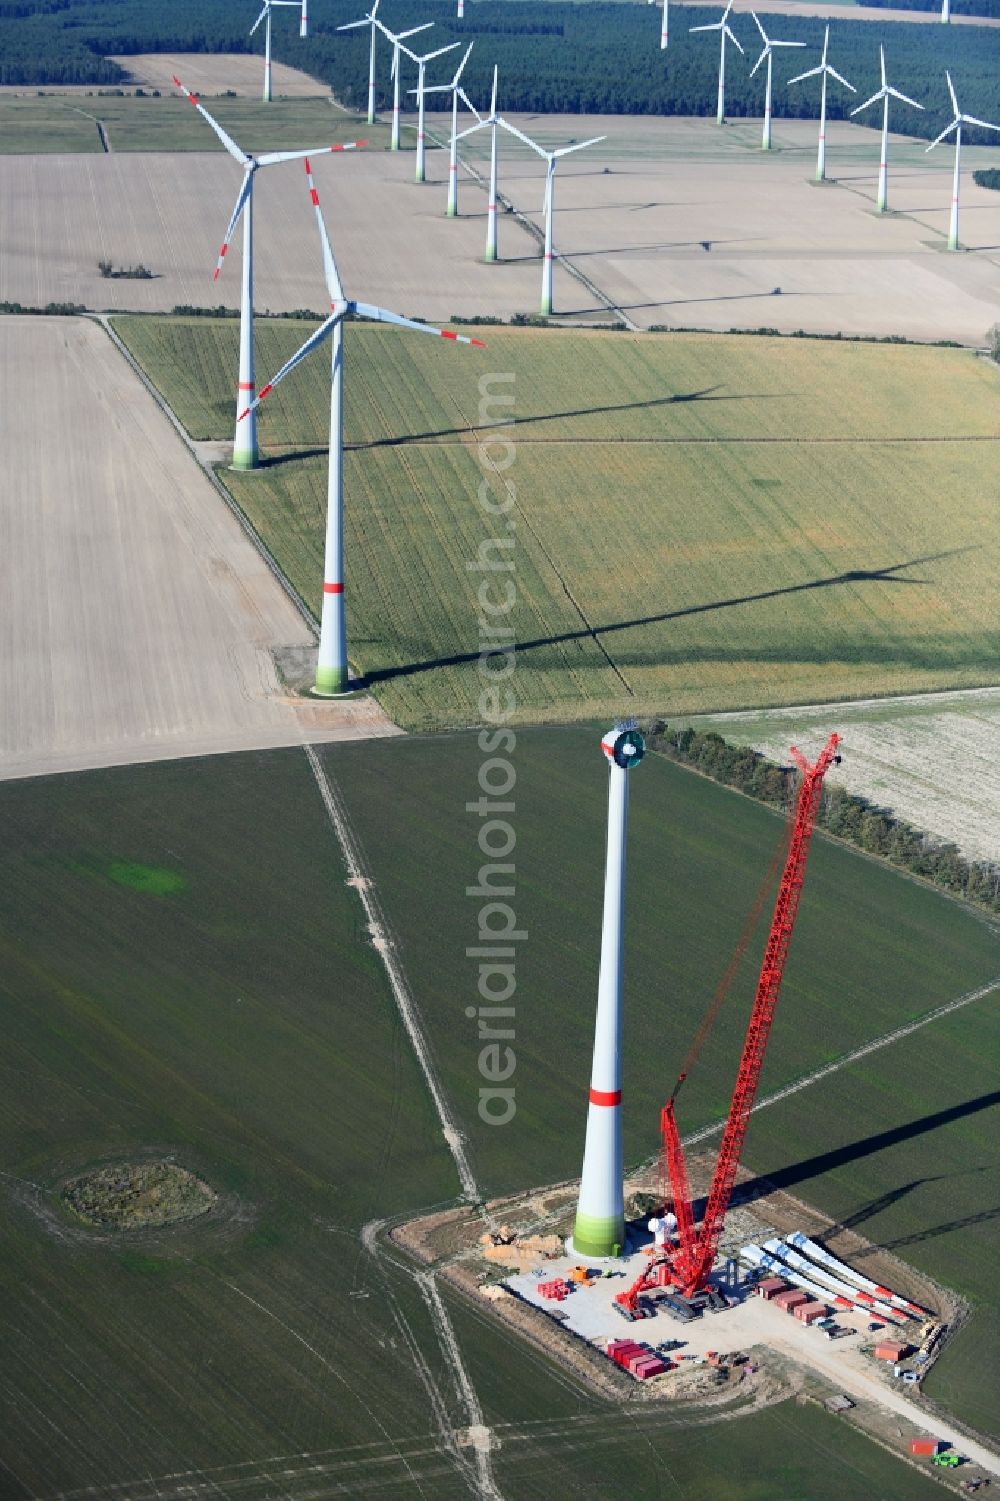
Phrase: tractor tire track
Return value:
(863, 1051)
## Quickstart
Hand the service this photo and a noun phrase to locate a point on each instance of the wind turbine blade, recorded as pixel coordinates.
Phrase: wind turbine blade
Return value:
(226, 140)
(432, 88)
(982, 124)
(951, 91)
(493, 96)
(333, 283)
(715, 26)
(788, 44)
(734, 41)
(412, 31)
(461, 66)
(241, 198)
(873, 100)
(759, 26)
(725, 13)
(479, 125)
(905, 98)
(760, 60)
(381, 315)
(513, 130)
(439, 53)
(577, 146)
(468, 103)
(260, 18)
(834, 74)
(813, 73)
(269, 159)
(826, 43)
(311, 343)
(938, 139)
(881, 59)
(350, 25)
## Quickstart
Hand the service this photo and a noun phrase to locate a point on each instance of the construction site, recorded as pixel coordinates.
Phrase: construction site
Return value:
(660, 1292)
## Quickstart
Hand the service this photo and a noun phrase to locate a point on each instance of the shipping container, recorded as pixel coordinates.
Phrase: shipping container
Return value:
(771, 1286)
(891, 1350)
(808, 1313)
(791, 1299)
(925, 1446)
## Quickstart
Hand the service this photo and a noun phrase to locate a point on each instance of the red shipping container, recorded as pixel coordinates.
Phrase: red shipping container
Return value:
(653, 1367)
(925, 1446)
(891, 1351)
(770, 1287)
(808, 1313)
(791, 1299)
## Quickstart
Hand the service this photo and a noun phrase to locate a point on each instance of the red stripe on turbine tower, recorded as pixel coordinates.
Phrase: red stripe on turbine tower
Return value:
(605, 1096)
(333, 588)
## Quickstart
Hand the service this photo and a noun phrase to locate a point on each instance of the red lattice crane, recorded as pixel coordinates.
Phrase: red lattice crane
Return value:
(689, 1264)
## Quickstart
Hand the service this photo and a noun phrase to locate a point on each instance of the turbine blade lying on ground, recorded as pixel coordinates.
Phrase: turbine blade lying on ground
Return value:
(382, 315)
(311, 343)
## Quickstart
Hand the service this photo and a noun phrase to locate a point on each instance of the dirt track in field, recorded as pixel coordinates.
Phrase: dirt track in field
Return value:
(137, 621)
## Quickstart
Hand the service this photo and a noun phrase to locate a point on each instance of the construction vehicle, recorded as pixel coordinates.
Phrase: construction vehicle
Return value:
(683, 1269)
(948, 1461)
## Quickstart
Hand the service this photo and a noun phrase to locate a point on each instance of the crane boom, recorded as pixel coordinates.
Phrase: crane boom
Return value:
(696, 1252)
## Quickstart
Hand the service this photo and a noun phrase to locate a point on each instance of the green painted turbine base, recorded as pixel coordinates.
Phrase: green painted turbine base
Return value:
(593, 1236)
(952, 243)
(453, 211)
(491, 254)
(331, 682)
(246, 458)
(546, 308)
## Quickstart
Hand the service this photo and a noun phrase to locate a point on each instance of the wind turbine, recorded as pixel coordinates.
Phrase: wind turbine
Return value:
(551, 157)
(824, 70)
(332, 675)
(768, 52)
(245, 454)
(492, 120)
(956, 126)
(455, 90)
(369, 20)
(884, 93)
(724, 29)
(265, 16)
(397, 41)
(420, 90)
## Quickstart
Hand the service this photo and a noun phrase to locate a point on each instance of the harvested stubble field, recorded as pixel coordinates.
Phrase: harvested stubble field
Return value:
(702, 523)
(233, 1017)
(930, 759)
(899, 1144)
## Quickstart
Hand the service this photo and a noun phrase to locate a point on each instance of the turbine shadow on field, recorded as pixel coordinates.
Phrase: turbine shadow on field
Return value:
(825, 1162)
(887, 575)
(639, 307)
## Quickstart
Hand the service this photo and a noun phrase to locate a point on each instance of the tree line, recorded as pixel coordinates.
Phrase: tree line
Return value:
(844, 814)
(553, 55)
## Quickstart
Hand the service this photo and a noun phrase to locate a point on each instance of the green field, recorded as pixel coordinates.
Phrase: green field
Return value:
(68, 123)
(186, 974)
(702, 523)
(872, 950)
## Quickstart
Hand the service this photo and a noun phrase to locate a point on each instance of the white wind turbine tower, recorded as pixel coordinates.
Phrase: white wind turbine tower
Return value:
(397, 41)
(768, 52)
(946, 11)
(304, 19)
(456, 91)
(420, 91)
(551, 157)
(332, 676)
(884, 93)
(724, 29)
(492, 121)
(956, 126)
(265, 16)
(461, 10)
(245, 454)
(824, 71)
(665, 25)
(369, 20)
